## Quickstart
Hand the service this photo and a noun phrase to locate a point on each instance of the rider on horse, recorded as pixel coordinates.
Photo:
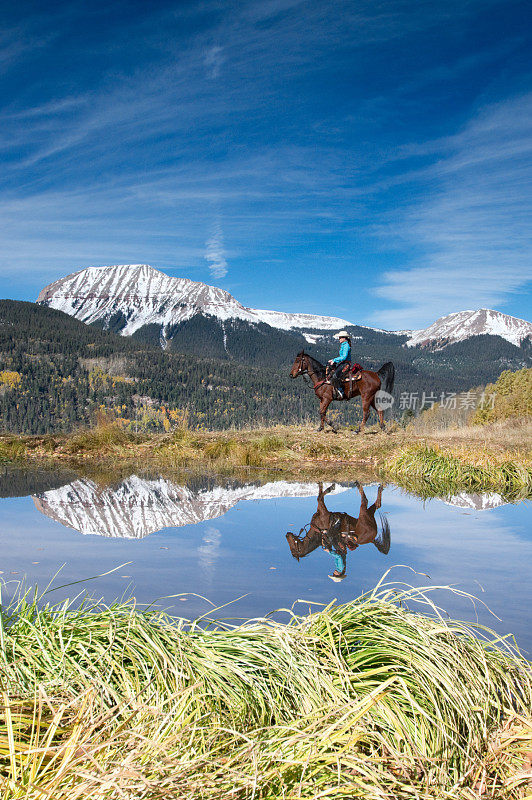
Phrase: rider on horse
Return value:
(343, 358)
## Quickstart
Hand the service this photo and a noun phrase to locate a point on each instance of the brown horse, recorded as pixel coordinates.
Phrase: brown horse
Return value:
(365, 383)
(339, 531)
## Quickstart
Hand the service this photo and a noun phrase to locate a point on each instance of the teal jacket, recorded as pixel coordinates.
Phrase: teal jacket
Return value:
(345, 353)
(339, 561)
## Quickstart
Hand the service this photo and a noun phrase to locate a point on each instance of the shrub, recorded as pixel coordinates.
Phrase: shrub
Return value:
(513, 397)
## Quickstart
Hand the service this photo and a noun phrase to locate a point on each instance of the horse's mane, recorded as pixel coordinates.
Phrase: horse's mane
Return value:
(317, 366)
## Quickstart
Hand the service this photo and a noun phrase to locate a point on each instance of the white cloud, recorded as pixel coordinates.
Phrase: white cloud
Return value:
(213, 60)
(473, 225)
(209, 552)
(130, 169)
(215, 254)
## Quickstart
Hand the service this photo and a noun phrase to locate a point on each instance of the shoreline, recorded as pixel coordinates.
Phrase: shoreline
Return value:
(489, 458)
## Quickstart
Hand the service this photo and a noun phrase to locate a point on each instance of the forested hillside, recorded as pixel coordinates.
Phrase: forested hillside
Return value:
(57, 373)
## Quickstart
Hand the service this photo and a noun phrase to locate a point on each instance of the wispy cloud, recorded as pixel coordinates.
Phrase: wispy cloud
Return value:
(215, 253)
(471, 229)
(214, 59)
(285, 116)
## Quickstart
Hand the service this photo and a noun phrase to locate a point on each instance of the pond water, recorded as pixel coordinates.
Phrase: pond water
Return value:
(225, 541)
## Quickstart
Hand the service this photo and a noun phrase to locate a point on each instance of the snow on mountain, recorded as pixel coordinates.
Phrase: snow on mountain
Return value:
(144, 296)
(478, 501)
(129, 296)
(138, 507)
(464, 324)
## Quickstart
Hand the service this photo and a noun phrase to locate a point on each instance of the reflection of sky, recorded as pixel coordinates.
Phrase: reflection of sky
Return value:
(487, 553)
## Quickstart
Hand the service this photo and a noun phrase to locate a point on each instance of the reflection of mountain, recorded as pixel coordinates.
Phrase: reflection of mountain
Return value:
(478, 502)
(138, 507)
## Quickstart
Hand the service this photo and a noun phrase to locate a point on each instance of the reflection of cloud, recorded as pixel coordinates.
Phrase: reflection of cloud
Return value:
(208, 552)
(215, 253)
(462, 547)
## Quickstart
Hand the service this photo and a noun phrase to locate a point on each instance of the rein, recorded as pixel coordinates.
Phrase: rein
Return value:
(308, 372)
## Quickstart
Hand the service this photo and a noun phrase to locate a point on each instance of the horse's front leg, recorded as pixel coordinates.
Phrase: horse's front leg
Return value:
(324, 405)
(363, 498)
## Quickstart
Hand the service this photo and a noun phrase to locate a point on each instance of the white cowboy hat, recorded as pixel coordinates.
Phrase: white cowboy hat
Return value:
(336, 578)
(342, 335)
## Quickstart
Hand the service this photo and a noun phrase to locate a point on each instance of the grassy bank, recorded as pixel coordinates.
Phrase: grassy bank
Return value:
(364, 700)
(485, 458)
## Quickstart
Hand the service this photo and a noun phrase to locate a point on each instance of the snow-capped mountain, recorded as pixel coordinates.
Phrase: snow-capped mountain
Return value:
(464, 324)
(129, 297)
(141, 295)
(137, 507)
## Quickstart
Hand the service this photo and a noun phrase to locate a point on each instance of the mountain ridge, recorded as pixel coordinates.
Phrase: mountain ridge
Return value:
(463, 325)
(132, 298)
(91, 294)
(60, 372)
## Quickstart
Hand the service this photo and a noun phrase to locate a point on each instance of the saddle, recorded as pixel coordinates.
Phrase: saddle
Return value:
(353, 368)
(349, 372)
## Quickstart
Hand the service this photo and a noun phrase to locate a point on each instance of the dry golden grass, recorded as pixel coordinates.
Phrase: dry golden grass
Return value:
(367, 700)
(488, 457)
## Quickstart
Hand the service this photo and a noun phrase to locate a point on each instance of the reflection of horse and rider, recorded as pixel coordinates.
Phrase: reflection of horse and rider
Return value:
(337, 532)
(341, 380)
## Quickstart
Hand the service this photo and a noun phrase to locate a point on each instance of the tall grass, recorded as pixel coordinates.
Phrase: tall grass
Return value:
(418, 466)
(364, 700)
(106, 436)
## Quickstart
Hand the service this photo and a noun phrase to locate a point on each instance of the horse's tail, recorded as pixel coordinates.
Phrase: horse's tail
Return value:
(387, 375)
(382, 542)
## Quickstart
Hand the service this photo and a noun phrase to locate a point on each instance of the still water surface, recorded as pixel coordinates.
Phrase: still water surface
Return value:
(226, 541)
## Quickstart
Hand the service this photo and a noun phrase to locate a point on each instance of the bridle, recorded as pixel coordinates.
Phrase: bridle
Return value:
(303, 371)
(300, 368)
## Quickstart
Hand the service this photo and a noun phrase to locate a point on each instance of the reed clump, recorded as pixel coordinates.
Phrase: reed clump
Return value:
(104, 437)
(364, 700)
(11, 449)
(460, 469)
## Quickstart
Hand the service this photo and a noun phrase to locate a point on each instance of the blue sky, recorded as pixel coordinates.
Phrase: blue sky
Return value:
(370, 160)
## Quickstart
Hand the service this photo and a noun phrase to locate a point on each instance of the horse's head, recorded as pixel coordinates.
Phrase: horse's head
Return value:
(293, 544)
(300, 365)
